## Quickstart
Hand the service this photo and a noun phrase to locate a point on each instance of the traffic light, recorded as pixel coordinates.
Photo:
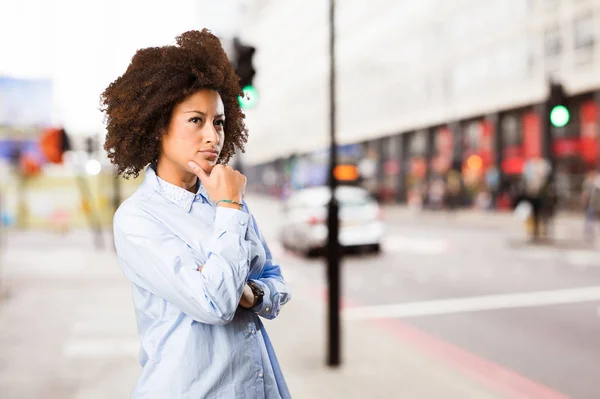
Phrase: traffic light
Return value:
(558, 106)
(54, 142)
(244, 68)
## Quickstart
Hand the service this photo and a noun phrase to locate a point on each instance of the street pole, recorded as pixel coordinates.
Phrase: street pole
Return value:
(333, 245)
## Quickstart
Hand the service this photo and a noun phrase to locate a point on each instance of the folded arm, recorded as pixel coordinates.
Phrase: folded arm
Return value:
(158, 261)
(276, 290)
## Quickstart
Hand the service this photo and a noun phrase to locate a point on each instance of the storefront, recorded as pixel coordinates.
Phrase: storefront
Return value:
(478, 158)
(416, 176)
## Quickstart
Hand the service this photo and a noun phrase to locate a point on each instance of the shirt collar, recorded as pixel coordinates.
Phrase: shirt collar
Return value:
(177, 195)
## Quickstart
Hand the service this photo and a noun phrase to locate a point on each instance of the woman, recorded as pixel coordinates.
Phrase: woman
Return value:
(200, 270)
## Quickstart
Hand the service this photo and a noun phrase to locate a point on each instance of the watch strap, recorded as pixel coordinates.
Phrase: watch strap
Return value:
(258, 293)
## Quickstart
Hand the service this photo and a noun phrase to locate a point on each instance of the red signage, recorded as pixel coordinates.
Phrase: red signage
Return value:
(445, 149)
(486, 150)
(418, 167)
(566, 147)
(445, 143)
(589, 132)
(532, 136)
(513, 165)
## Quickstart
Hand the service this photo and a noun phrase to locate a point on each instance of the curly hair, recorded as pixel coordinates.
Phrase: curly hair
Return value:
(138, 105)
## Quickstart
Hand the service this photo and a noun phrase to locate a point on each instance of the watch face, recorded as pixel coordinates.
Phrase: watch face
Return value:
(258, 293)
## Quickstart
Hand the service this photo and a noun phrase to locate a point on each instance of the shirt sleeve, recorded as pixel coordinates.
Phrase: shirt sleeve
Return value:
(276, 291)
(158, 261)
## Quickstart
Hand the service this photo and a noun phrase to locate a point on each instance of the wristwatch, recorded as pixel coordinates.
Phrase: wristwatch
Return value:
(258, 293)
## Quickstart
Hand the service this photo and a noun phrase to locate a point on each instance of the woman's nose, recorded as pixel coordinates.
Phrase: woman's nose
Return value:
(211, 135)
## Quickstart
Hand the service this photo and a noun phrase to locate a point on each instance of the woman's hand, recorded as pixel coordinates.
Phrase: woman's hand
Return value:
(224, 183)
(247, 300)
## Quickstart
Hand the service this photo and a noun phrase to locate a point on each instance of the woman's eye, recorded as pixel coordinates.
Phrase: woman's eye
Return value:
(220, 122)
(196, 120)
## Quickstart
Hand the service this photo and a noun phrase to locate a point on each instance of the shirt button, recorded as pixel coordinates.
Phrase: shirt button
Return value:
(260, 375)
(242, 222)
(268, 309)
(252, 331)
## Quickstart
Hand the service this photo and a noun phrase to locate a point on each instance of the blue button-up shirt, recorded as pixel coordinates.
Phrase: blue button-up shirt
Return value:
(196, 342)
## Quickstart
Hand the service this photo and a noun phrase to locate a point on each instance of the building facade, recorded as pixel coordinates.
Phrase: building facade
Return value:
(424, 86)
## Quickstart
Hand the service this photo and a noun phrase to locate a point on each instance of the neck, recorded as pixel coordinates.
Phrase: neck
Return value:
(175, 175)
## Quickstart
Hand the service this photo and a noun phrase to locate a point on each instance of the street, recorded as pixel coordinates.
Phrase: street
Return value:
(448, 310)
(532, 310)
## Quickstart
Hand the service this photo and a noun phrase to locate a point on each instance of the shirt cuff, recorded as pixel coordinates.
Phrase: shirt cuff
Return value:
(265, 306)
(229, 219)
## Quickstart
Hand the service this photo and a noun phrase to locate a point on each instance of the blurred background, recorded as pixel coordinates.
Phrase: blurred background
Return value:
(467, 141)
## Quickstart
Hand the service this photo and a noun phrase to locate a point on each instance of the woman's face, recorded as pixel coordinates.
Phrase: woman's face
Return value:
(195, 132)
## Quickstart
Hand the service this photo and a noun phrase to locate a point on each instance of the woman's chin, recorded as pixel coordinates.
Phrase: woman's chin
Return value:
(206, 165)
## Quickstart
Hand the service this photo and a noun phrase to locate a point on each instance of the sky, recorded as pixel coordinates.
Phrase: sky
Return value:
(82, 46)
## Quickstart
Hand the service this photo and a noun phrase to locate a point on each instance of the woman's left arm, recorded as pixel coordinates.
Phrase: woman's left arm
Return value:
(276, 291)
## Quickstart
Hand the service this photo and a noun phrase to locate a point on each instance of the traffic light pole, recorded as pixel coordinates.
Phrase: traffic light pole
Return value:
(333, 245)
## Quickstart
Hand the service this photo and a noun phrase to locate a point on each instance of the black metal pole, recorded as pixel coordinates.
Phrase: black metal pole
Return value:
(494, 121)
(333, 246)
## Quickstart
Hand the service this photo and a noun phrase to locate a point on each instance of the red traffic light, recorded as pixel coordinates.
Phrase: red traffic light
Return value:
(53, 143)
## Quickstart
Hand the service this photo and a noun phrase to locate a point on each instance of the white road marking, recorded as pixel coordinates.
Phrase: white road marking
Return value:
(414, 245)
(583, 258)
(471, 304)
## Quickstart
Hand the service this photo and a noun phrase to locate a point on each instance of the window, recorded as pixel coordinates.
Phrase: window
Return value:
(551, 5)
(511, 131)
(552, 42)
(418, 143)
(472, 135)
(583, 32)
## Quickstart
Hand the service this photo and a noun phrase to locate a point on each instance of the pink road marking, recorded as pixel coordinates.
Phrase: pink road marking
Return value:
(496, 377)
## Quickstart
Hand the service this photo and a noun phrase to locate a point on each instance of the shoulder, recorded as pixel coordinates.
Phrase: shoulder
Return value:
(132, 217)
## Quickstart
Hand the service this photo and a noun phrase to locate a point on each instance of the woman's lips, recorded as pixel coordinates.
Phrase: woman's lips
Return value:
(210, 154)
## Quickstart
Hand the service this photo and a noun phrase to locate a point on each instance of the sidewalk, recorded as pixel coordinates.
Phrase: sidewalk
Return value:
(67, 330)
(567, 228)
(375, 364)
(472, 217)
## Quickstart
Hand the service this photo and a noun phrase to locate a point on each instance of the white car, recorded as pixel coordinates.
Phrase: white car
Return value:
(305, 220)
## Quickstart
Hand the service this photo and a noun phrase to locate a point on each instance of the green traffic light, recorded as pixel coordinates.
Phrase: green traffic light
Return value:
(559, 116)
(250, 97)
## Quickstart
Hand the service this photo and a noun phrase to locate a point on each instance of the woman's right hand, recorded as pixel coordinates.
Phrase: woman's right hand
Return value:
(223, 183)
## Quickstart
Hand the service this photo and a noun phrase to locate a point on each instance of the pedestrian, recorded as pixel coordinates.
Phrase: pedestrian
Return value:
(548, 206)
(591, 204)
(200, 270)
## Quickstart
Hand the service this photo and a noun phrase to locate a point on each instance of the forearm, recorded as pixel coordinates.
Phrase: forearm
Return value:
(161, 263)
(276, 294)
(226, 270)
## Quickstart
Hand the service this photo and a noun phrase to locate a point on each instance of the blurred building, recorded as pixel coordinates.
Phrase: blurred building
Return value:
(425, 86)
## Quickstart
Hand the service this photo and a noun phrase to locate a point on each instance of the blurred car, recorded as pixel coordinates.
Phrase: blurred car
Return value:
(305, 223)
